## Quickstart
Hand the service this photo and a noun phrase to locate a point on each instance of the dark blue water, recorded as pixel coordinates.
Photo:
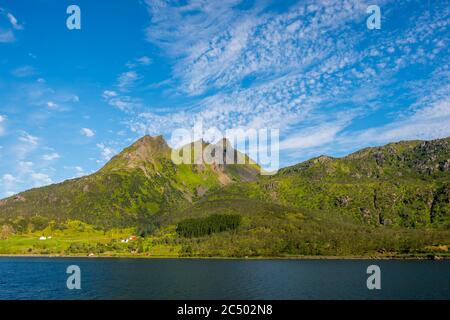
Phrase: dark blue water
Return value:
(45, 278)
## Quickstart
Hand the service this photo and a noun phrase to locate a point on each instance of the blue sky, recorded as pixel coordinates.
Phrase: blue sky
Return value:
(71, 99)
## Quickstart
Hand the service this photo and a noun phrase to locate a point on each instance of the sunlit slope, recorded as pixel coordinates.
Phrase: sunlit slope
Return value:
(405, 184)
(138, 183)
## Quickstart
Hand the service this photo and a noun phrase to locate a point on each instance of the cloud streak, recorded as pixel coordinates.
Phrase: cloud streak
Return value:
(7, 35)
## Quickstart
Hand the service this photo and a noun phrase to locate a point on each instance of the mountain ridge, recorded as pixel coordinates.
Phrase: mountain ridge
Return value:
(164, 186)
(140, 177)
(381, 201)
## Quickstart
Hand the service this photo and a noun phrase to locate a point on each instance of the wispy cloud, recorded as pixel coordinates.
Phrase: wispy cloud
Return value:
(87, 132)
(27, 144)
(124, 103)
(29, 139)
(8, 178)
(312, 138)
(427, 123)
(127, 80)
(106, 151)
(51, 156)
(40, 179)
(120, 100)
(22, 72)
(12, 19)
(297, 69)
(219, 45)
(2, 125)
(107, 94)
(141, 61)
(7, 35)
(25, 173)
(144, 60)
(270, 69)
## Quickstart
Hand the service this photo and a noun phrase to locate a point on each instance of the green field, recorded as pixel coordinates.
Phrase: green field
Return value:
(275, 233)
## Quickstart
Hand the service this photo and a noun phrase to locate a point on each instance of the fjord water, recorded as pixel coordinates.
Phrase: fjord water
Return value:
(45, 278)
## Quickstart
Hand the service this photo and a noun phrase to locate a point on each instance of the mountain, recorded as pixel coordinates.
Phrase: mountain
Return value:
(386, 201)
(405, 184)
(139, 182)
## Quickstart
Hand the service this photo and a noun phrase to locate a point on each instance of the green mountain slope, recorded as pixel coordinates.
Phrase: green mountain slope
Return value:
(383, 201)
(269, 229)
(390, 200)
(405, 184)
(133, 186)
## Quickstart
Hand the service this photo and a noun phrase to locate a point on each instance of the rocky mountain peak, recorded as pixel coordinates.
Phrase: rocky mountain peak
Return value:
(144, 150)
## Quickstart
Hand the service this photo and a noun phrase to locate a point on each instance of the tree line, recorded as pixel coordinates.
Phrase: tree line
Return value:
(198, 227)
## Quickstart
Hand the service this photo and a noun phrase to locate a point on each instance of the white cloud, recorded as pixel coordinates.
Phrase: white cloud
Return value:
(121, 102)
(106, 151)
(14, 21)
(7, 35)
(429, 122)
(25, 167)
(127, 80)
(9, 178)
(40, 179)
(51, 156)
(141, 61)
(52, 105)
(313, 138)
(79, 171)
(26, 174)
(9, 182)
(144, 60)
(109, 94)
(29, 139)
(87, 132)
(124, 103)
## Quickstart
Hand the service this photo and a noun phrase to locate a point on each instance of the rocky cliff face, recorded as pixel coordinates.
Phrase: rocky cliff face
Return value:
(404, 183)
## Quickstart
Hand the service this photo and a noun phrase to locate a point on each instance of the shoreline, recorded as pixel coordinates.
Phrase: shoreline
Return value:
(430, 257)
